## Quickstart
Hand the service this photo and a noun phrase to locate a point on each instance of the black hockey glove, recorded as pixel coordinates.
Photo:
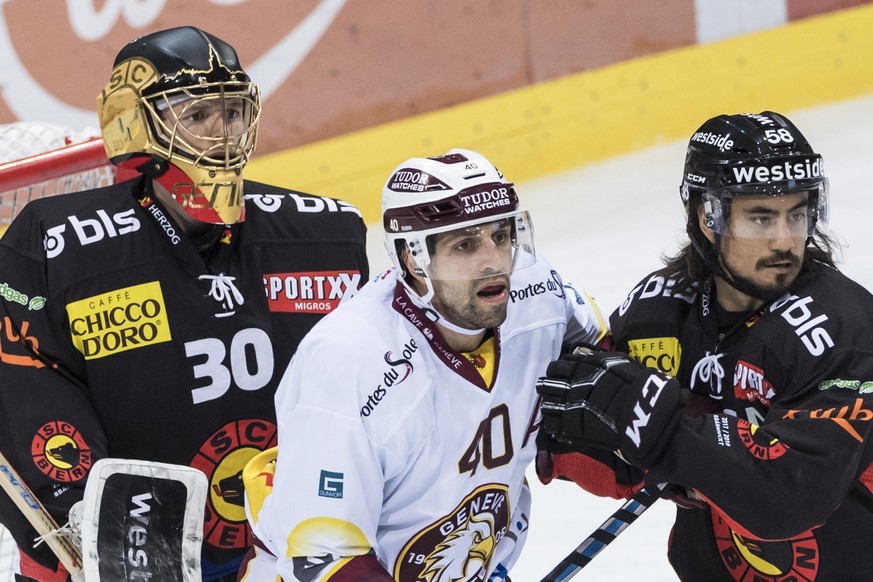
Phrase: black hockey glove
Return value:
(609, 400)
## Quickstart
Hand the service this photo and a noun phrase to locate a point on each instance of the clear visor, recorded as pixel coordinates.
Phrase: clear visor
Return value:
(216, 129)
(492, 248)
(767, 215)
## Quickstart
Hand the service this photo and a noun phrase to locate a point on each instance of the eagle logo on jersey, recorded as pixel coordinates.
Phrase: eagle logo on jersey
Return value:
(459, 546)
(464, 552)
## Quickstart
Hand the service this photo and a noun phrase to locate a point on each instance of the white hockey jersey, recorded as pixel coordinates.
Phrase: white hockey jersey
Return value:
(390, 441)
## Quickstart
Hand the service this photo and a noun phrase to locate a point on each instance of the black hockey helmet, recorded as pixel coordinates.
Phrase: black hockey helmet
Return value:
(747, 154)
(184, 57)
(164, 88)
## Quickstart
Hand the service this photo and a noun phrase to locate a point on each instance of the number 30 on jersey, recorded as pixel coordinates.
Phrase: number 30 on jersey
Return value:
(250, 365)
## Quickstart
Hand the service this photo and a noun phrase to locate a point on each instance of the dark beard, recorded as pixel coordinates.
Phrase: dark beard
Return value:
(767, 293)
(471, 318)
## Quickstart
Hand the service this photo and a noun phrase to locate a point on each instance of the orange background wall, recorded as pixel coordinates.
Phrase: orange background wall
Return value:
(376, 62)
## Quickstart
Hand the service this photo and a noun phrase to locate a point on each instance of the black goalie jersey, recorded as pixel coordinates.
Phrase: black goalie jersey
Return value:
(120, 339)
(778, 439)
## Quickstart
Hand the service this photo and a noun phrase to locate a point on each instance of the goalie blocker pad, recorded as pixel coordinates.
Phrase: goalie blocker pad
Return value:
(142, 521)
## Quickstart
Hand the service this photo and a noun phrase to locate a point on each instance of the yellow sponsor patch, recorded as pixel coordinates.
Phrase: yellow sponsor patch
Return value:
(311, 536)
(661, 353)
(119, 320)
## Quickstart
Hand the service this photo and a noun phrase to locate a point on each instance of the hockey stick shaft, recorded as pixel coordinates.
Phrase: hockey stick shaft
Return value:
(605, 534)
(39, 518)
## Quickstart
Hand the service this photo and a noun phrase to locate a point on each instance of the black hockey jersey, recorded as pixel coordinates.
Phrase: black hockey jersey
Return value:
(778, 436)
(120, 339)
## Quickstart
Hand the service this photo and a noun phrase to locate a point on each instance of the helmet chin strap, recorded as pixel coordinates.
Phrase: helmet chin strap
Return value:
(451, 326)
(424, 302)
(162, 172)
(724, 273)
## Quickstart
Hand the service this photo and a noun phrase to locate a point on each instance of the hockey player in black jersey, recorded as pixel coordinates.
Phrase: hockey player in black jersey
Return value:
(759, 410)
(152, 319)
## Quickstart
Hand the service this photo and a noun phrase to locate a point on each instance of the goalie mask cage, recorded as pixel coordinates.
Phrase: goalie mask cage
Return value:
(38, 160)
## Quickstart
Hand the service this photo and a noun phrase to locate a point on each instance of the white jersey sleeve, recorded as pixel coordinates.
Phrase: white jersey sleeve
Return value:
(332, 468)
(581, 318)
(585, 322)
(329, 475)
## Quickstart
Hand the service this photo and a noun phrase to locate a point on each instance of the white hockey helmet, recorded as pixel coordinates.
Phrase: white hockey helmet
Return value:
(460, 189)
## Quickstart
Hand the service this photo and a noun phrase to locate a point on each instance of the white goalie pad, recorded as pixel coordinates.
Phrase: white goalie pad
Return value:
(142, 521)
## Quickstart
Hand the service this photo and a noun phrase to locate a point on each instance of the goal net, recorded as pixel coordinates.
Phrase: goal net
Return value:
(37, 160)
(41, 159)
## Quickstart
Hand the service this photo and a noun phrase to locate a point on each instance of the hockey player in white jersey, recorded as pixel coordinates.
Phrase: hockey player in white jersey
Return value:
(407, 418)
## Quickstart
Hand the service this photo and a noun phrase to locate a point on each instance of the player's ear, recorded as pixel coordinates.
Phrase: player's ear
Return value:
(415, 275)
(701, 221)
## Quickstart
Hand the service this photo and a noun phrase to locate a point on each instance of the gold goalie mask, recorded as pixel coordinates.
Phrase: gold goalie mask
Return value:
(180, 109)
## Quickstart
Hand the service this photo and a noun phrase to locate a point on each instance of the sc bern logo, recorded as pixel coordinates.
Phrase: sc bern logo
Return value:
(222, 458)
(750, 559)
(59, 450)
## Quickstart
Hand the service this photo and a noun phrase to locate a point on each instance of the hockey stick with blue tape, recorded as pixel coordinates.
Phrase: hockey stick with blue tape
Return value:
(606, 533)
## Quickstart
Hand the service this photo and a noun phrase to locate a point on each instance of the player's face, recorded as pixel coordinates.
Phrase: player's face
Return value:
(766, 241)
(469, 271)
(205, 124)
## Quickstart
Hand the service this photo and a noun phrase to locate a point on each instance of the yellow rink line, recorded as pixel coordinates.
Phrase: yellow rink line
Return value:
(578, 119)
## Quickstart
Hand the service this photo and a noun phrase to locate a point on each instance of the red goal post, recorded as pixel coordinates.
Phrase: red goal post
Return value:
(57, 166)
(67, 161)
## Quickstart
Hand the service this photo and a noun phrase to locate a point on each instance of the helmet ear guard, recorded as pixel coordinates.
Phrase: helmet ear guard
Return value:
(712, 213)
(414, 255)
